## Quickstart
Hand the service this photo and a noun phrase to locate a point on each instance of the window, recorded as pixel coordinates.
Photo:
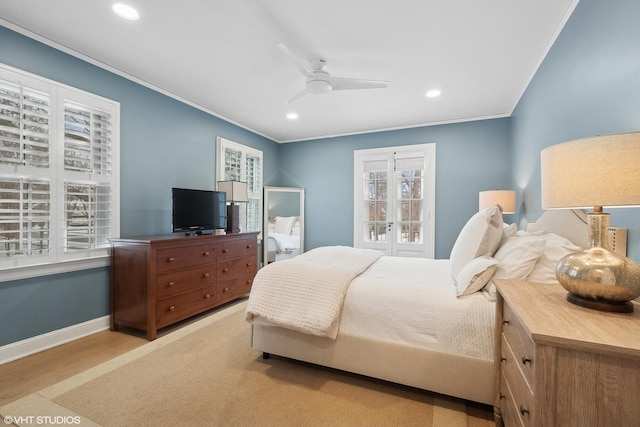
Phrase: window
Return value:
(59, 188)
(237, 162)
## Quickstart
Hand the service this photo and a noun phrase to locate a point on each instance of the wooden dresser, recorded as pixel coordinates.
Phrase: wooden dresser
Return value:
(564, 365)
(160, 280)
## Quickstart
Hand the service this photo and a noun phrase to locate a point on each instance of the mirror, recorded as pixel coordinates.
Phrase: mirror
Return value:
(283, 227)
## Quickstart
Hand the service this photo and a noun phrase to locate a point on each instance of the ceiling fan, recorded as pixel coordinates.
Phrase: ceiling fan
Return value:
(319, 81)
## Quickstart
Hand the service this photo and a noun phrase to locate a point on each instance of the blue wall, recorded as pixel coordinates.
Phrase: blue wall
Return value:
(589, 84)
(470, 157)
(164, 143)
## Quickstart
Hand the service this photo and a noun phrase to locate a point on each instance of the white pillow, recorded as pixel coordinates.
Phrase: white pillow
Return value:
(555, 248)
(517, 256)
(480, 236)
(475, 275)
(284, 224)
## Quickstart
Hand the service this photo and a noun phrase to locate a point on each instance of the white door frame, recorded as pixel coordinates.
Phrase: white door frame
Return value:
(395, 246)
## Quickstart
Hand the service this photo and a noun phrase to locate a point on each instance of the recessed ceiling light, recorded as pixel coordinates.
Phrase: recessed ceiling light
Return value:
(433, 93)
(126, 11)
(292, 116)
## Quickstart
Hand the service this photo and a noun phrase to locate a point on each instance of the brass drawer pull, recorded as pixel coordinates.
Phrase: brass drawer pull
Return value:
(205, 276)
(249, 264)
(249, 246)
(226, 289)
(523, 410)
(206, 253)
(505, 322)
(171, 284)
(225, 270)
(526, 360)
(172, 308)
(171, 259)
(207, 296)
(224, 251)
(503, 359)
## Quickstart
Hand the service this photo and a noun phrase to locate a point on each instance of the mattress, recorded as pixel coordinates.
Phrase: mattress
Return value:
(412, 301)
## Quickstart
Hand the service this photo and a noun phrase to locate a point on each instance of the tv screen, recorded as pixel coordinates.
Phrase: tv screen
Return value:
(194, 211)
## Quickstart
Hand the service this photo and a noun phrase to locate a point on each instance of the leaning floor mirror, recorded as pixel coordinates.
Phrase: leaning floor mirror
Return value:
(283, 223)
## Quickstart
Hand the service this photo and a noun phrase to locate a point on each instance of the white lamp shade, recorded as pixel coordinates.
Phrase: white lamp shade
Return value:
(598, 171)
(236, 191)
(506, 199)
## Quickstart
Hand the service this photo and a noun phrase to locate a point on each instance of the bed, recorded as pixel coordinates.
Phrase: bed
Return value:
(283, 238)
(419, 322)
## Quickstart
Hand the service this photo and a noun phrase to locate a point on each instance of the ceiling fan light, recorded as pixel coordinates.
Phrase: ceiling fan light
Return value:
(320, 83)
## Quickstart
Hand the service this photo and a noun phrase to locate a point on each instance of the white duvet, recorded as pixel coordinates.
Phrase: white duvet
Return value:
(413, 301)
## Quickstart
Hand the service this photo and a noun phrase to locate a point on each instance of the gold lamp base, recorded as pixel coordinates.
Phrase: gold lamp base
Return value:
(597, 277)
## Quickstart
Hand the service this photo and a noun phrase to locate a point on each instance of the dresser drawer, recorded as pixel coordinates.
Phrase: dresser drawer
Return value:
(519, 389)
(230, 289)
(171, 310)
(508, 408)
(184, 280)
(178, 258)
(236, 268)
(237, 248)
(521, 344)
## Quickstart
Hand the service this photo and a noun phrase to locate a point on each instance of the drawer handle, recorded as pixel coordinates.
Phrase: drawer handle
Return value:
(172, 308)
(249, 282)
(171, 259)
(206, 253)
(523, 410)
(503, 359)
(505, 322)
(526, 360)
(171, 284)
(226, 289)
(249, 264)
(225, 270)
(207, 296)
(205, 276)
(224, 251)
(502, 396)
(249, 246)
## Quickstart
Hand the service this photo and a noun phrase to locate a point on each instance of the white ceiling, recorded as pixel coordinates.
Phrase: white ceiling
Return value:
(222, 56)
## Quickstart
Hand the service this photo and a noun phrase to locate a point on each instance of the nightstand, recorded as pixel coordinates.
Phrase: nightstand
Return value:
(559, 364)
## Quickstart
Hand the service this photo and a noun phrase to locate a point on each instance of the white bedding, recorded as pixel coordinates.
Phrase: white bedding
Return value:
(306, 293)
(413, 301)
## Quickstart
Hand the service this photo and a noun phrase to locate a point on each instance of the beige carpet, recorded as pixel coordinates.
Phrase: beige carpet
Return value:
(205, 374)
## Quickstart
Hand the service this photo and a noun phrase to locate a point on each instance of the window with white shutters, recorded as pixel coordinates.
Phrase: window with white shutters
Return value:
(59, 188)
(237, 162)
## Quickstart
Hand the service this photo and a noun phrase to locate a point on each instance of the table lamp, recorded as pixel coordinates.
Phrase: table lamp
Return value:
(236, 193)
(506, 199)
(595, 172)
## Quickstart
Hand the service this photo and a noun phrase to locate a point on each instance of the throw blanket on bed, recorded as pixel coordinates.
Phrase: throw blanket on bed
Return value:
(306, 293)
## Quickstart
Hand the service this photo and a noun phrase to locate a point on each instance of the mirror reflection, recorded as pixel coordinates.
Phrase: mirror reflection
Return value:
(283, 223)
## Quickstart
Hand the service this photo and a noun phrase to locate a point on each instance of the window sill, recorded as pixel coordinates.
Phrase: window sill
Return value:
(30, 271)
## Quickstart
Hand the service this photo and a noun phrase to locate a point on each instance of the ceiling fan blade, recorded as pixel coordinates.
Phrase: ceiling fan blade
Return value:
(341, 83)
(296, 97)
(299, 63)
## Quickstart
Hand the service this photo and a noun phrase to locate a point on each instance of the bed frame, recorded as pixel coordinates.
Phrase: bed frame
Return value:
(454, 375)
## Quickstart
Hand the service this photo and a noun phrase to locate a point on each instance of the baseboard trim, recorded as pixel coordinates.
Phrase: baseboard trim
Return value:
(20, 349)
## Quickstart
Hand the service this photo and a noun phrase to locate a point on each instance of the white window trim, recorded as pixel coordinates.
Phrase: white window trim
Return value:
(29, 267)
(221, 145)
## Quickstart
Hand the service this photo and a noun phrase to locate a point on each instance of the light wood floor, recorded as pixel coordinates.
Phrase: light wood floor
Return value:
(33, 373)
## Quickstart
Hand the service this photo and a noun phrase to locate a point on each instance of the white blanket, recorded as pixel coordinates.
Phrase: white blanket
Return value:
(285, 242)
(306, 293)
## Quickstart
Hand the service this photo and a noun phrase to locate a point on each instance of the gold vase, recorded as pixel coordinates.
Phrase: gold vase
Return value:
(597, 277)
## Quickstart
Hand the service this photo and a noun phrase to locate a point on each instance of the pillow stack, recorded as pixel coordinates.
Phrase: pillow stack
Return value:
(487, 249)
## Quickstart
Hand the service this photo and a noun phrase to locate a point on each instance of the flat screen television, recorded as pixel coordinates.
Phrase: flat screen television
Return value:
(196, 211)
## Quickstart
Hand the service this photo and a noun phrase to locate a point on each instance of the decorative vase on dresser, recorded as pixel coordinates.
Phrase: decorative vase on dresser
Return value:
(560, 364)
(159, 280)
